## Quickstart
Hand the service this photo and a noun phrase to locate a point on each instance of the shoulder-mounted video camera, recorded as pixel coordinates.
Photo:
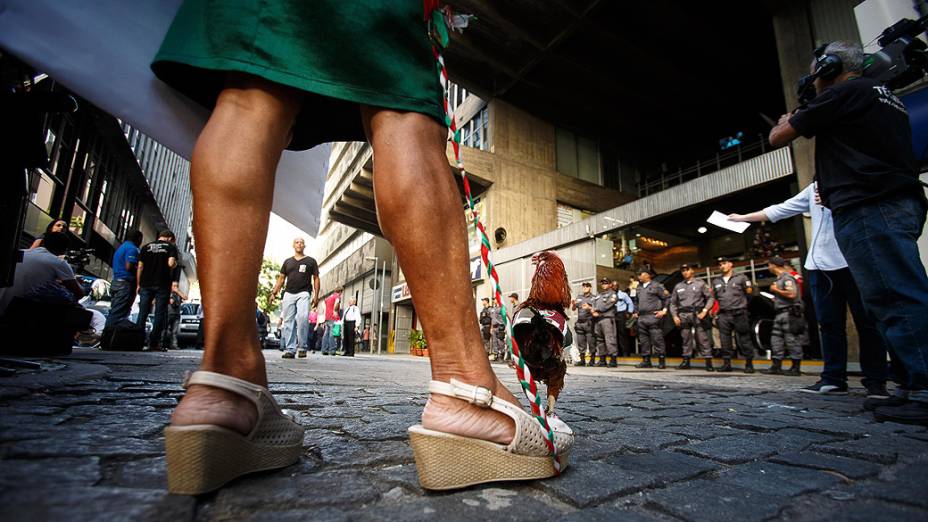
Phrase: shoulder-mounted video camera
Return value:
(901, 61)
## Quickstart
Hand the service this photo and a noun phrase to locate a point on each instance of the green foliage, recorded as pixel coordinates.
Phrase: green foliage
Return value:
(417, 339)
(266, 280)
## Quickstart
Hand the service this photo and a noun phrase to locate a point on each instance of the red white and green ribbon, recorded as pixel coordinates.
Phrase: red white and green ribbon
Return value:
(440, 20)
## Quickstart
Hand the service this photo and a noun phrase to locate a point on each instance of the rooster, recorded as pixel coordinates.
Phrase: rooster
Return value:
(540, 324)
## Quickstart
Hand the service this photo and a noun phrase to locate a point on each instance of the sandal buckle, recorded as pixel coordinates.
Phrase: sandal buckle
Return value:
(477, 395)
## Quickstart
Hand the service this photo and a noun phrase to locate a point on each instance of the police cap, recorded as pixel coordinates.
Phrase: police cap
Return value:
(777, 261)
(687, 266)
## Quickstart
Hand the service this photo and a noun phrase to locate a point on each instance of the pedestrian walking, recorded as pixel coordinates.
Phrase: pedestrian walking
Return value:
(301, 275)
(173, 323)
(319, 327)
(731, 292)
(157, 261)
(351, 320)
(366, 338)
(690, 303)
(789, 320)
(652, 307)
(338, 328)
(124, 283)
(604, 324)
(584, 338)
(313, 323)
(332, 306)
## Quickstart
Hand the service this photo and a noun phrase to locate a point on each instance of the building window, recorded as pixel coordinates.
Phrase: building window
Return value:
(475, 133)
(568, 215)
(578, 157)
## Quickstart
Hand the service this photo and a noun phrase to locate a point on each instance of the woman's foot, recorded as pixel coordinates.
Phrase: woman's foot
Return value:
(449, 415)
(207, 405)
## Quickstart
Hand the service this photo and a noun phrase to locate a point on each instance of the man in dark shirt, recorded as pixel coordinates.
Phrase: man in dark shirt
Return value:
(157, 261)
(124, 285)
(301, 292)
(867, 175)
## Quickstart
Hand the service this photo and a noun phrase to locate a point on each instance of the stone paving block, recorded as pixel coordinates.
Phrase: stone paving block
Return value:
(709, 501)
(611, 513)
(339, 450)
(665, 467)
(323, 514)
(882, 449)
(82, 444)
(851, 468)
(905, 485)
(591, 483)
(819, 509)
(148, 473)
(258, 492)
(382, 427)
(43, 473)
(776, 479)
(95, 504)
(490, 502)
(699, 432)
(734, 449)
(633, 437)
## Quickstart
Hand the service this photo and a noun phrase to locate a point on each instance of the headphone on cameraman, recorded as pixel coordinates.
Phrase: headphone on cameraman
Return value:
(827, 66)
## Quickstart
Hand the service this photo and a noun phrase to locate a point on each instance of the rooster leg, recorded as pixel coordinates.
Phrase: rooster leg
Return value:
(549, 409)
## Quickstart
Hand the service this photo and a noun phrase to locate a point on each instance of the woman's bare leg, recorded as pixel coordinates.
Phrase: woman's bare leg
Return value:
(421, 212)
(232, 176)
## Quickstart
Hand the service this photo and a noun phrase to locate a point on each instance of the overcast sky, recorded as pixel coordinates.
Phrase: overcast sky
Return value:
(280, 236)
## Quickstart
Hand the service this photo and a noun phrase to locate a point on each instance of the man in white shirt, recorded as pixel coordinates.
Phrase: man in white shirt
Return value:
(350, 320)
(833, 290)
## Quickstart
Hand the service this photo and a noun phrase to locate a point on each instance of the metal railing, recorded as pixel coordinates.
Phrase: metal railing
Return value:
(653, 183)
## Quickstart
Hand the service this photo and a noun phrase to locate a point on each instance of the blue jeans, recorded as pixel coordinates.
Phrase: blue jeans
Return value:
(295, 313)
(878, 240)
(161, 296)
(833, 291)
(122, 295)
(328, 340)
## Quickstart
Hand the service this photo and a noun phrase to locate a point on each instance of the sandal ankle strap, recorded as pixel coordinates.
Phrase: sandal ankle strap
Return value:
(241, 387)
(478, 395)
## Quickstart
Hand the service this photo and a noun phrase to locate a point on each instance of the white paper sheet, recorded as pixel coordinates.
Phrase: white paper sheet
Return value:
(101, 50)
(721, 220)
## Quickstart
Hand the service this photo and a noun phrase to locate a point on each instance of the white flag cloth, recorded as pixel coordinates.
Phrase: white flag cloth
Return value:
(102, 49)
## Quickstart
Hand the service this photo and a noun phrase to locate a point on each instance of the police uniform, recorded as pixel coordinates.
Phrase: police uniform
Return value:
(688, 300)
(604, 326)
(652, 297)
(497, 333)
(485, 321)
(584, 327)
(787, 325)
(732, 296)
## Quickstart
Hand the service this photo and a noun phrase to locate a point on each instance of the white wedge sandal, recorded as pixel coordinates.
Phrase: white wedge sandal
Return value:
(446, 461)
(203, 457)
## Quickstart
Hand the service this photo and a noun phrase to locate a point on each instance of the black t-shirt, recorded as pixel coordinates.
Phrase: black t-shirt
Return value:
(155, 270)
(863, 146)
(299, 274)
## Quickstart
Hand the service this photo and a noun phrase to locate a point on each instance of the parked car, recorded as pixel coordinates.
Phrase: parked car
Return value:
(189, 324)
(272, 341)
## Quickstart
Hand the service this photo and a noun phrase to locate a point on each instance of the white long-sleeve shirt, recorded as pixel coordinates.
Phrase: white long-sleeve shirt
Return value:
(824, 253)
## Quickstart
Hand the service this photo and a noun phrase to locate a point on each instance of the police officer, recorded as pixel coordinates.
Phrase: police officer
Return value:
(652, 307)
(497, 333)
(690, 303)
(604, 324)
(788, 323)
(485, 321)
(623, 309)
(731, 291)
(584, 326)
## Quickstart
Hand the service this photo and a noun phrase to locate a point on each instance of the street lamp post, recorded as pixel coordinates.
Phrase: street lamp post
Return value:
(383, 284)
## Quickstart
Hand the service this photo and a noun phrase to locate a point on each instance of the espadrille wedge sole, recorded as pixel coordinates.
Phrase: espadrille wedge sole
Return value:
(202, 458)
(446, 461)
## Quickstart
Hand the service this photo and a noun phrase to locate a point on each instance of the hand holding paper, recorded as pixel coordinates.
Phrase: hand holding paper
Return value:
(721, 220)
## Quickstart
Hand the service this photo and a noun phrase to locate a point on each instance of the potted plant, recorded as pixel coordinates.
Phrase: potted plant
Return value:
(417, 343)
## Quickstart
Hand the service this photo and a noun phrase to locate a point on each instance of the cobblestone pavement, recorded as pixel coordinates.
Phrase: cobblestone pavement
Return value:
(81, 440)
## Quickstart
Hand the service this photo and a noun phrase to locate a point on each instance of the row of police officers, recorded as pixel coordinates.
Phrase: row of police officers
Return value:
(690, 305)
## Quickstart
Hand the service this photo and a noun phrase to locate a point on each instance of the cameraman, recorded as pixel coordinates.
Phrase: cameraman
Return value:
(867, 175)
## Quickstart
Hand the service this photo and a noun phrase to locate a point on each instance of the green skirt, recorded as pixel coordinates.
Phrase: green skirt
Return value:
(341, 53)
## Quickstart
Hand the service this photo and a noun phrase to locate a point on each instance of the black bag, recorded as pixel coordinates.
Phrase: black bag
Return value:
(797, 321)
(125, 336)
